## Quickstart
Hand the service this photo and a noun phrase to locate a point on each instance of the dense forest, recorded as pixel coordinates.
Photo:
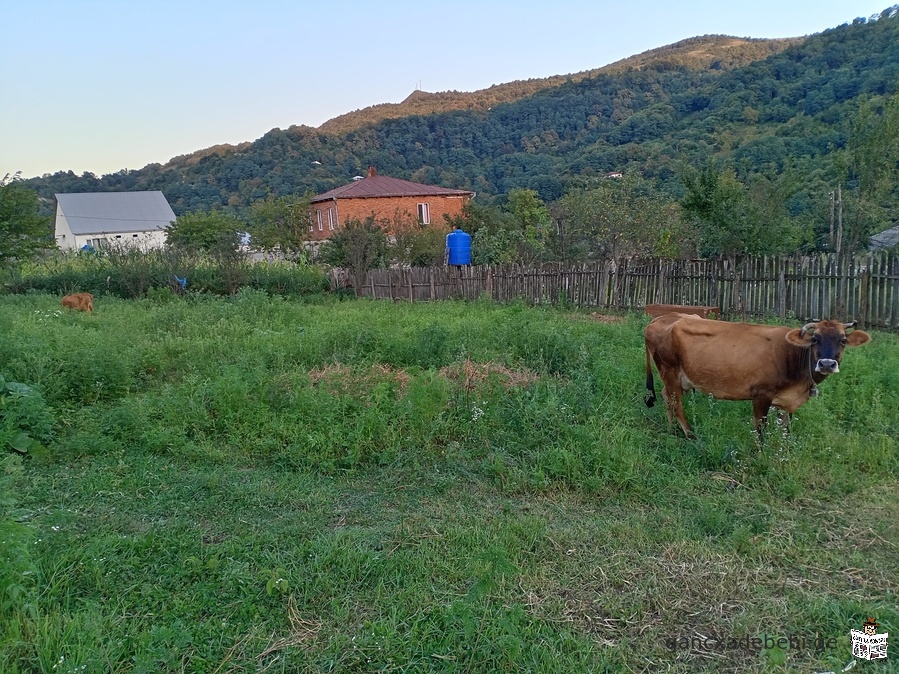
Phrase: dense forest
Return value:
(789, 117)
(697, 53)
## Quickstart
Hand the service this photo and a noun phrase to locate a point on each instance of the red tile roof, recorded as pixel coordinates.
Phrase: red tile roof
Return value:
(385, 186)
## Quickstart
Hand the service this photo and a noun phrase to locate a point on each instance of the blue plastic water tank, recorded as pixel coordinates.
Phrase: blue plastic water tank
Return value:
(458, 243)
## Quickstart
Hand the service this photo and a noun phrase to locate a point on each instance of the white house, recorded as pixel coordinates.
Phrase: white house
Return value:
(108, 218)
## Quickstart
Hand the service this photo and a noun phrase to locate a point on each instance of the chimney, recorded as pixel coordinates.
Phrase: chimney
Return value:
(372, 172)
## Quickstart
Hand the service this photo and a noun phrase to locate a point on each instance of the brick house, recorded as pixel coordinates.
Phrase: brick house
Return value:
(386, 198)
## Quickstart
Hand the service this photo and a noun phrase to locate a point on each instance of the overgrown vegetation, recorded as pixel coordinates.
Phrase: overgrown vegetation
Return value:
(253, 483)
(132, 274)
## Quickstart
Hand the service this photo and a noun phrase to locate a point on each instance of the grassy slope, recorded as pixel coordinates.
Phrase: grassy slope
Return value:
(254, 484)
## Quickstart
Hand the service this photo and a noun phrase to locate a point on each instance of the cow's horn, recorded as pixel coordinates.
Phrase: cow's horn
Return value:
(808, 327)
(850, 325)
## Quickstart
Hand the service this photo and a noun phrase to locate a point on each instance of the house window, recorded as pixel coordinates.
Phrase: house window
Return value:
(318, 214)
(424, 214)
(331, 218)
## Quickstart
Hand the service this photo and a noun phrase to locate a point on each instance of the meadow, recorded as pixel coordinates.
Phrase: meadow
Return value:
(257, 483)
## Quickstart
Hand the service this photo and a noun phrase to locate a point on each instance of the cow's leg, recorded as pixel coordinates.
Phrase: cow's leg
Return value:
(668, 411)
(681, 417)
(785, 419)
(760, 407)
(673, 395)
(650, 397)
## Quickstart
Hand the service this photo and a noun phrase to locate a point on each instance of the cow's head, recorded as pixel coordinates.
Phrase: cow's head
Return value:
(827, 339)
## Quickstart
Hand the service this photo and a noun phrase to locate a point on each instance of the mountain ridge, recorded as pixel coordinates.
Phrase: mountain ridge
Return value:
(701, 52)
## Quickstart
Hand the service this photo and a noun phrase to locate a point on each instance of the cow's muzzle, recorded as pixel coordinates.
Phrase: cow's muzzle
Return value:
(827, 366)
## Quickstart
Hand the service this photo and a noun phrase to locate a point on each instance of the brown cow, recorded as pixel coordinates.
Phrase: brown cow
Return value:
(79, 301)
(769, 365)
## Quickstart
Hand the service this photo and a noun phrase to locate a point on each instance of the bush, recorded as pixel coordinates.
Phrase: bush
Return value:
(25, 421)
(132, 274)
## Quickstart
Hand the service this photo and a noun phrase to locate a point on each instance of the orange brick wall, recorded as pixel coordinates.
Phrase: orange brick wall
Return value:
(384, 208)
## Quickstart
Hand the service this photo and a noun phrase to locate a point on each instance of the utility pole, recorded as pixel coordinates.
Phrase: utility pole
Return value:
(830, 240)
(839, 205)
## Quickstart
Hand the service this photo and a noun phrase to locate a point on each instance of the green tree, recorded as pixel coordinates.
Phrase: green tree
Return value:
(358, 246)
(620, 216)
(515, 233)
(532, 220)
(731, 219)
(23, 231)
(205, 230)
(280, 223)
(870, 165)
(416, 244)
(475, 217)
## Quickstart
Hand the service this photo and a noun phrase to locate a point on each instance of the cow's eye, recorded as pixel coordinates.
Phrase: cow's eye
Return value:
(843, 341)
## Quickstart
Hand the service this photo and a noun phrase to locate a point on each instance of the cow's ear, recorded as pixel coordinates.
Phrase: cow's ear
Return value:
(795, 337)
(857, 338)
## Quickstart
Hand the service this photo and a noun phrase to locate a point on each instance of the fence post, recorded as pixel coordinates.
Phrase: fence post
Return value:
(781, 294)
(863, 296)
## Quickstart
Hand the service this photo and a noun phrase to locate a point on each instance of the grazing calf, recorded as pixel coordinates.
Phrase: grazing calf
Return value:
(79, 301)
(769, 365)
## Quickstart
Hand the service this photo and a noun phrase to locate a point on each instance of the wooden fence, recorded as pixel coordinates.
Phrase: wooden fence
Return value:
(863, 288)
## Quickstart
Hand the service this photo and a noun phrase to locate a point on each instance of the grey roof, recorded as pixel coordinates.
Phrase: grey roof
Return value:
(886, 239)
(105, 212)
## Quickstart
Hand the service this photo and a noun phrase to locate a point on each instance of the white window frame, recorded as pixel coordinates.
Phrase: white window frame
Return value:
(331, 219)
(424, 213)
(318, 214)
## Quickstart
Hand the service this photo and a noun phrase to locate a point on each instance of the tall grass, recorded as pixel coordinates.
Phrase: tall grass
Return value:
(132, 274)
(255, 483)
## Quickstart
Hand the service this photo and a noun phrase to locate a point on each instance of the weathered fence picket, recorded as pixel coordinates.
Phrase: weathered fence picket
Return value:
(864, 288)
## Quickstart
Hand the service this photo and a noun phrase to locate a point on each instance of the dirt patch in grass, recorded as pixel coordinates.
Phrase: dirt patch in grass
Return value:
(470, 374)
(340, 379)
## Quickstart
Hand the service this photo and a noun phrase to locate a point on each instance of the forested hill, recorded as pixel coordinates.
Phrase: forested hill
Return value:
(710, 52)
(791, 107)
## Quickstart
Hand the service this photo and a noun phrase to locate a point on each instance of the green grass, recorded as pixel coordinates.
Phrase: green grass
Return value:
(256, 484)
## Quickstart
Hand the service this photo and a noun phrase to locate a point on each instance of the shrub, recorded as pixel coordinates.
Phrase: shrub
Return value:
(132, 274)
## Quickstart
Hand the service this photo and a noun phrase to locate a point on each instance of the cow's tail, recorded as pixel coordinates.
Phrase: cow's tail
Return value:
(650, 397)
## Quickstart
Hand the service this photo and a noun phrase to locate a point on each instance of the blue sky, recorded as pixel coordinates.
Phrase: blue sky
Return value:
(103, 85)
